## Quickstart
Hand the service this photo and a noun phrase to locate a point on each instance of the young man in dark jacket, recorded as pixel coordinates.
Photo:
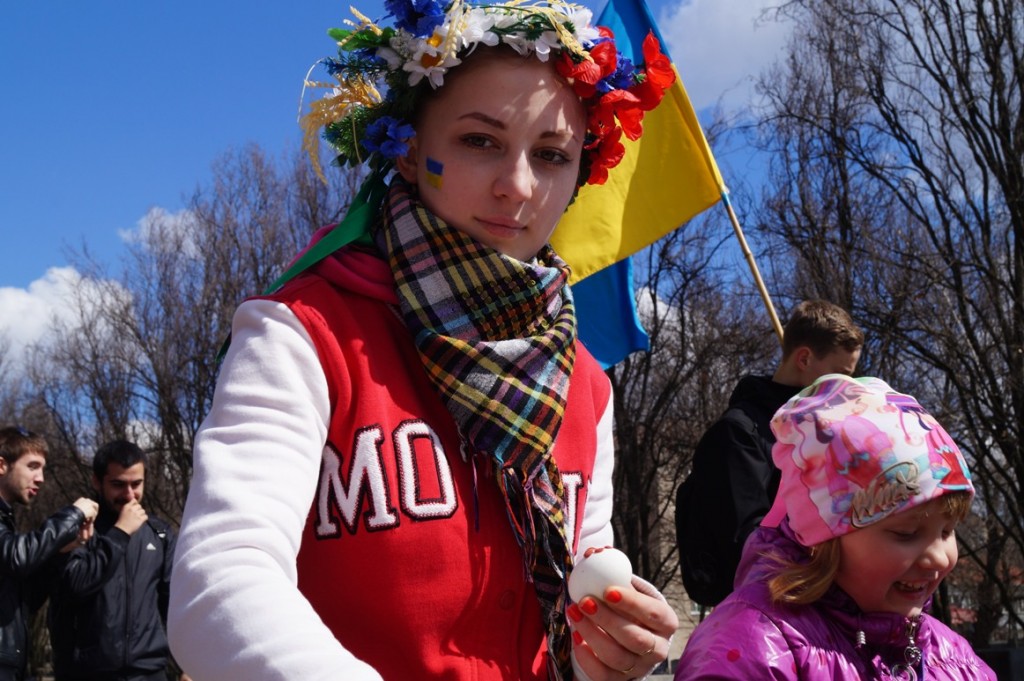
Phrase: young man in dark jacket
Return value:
(733, 481)
(108, 611)
(24, 556)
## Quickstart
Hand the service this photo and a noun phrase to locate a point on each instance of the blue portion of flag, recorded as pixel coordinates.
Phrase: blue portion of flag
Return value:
(605, 301)
(631, 21)
(606, 313)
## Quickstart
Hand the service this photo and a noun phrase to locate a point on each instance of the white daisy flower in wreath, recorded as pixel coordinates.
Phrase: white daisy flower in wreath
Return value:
(429, 61)
(477, 29)
(547, 41)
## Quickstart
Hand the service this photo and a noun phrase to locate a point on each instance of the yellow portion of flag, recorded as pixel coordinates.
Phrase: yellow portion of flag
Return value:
(666, 177)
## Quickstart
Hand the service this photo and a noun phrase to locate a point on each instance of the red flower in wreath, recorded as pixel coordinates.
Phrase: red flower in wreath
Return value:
(659, 72)
(586, 74)
(607, 153)
(621, 105)
(620, 109)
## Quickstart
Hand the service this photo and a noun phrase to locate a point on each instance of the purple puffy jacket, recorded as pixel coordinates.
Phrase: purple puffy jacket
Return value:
(749, 637)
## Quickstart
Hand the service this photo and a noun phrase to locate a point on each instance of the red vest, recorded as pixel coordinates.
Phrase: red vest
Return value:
(414, 571)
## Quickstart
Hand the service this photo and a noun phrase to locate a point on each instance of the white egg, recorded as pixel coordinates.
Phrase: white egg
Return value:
(594, 574)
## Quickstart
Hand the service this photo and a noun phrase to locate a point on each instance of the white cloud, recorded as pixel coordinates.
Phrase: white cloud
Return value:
(160, 227)
(649, 306)
(720, 46)
(27, 314)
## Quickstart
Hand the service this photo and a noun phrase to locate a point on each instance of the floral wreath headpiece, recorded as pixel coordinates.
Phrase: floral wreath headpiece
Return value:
(429, 38)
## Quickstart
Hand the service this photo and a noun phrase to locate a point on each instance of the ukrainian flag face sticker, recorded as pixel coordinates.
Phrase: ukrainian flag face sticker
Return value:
(435, 169)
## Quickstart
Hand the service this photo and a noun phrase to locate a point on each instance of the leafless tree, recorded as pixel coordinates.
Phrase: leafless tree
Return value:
(897, 187)
(139, 358)
(707, 329)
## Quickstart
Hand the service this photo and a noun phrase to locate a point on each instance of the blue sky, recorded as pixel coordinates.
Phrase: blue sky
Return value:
(114, 108)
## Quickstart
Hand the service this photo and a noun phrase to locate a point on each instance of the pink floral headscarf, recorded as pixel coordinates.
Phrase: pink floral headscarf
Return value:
(854, 451)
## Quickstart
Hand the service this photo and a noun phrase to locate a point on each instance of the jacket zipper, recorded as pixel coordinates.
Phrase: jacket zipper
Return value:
(911, 654)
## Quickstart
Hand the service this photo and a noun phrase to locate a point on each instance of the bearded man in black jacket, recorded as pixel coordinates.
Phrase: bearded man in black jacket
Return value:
(25, 556)
(108, 612)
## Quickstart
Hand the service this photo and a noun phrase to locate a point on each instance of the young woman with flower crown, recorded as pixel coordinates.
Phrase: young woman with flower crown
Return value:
(408, 444)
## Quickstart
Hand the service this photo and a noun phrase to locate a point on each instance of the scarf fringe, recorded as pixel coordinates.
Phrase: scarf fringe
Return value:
(533, 528)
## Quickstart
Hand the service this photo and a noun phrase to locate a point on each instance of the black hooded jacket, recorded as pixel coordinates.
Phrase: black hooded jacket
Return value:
(109, 607)
(24, 559)
(730, 489)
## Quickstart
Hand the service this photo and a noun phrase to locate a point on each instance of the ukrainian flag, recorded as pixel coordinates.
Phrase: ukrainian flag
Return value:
(667, 177)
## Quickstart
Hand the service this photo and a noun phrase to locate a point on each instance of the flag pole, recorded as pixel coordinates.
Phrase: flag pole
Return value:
(753, 265)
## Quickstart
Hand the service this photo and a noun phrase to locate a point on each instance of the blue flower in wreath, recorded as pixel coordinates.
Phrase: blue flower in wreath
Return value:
(623, 78)
(419, 17)
(388, 136)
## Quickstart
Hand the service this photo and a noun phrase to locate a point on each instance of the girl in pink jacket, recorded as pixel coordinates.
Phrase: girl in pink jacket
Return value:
(835, 583)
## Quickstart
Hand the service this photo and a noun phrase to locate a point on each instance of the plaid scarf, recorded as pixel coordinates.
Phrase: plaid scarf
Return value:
(496, 337)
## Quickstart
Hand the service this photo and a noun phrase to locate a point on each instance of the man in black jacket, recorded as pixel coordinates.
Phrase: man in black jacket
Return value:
(733, 481)
(24, 556)
(108, 611)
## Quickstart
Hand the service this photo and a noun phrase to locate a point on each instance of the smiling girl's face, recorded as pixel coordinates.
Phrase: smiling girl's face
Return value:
(896, 564)
(497, 151)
